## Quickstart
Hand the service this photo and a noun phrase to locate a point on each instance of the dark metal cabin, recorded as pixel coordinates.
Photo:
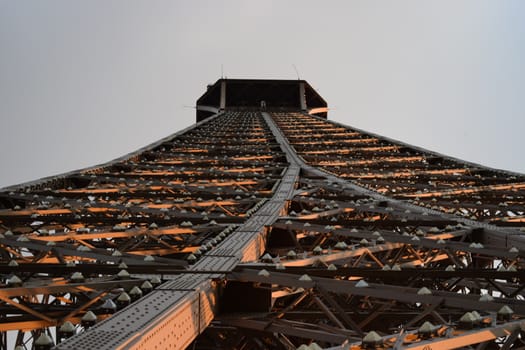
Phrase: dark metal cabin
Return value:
(272, 95)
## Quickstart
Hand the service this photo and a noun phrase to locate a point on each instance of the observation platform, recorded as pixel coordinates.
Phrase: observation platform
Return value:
(258, 94)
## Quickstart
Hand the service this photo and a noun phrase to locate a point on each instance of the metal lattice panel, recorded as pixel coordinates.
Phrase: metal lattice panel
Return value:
(261, 230)
(143, 215)
(347, 267)
(406, 172)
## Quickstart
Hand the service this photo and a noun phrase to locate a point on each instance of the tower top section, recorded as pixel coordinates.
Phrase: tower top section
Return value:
(274, 95)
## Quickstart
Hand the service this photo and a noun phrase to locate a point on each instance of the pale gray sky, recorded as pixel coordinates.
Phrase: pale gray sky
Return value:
(83, 82)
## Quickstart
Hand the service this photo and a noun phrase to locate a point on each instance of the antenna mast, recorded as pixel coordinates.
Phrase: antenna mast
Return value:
(296, 71)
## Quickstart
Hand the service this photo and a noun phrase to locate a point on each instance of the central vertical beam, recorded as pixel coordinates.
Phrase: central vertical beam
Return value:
(222, 103)
(302, 96)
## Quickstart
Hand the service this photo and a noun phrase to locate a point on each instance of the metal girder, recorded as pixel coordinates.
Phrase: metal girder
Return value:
(403, 252)
(411, 173)
(344, 231)
(190, 307)
(381, 291)
(153, 208)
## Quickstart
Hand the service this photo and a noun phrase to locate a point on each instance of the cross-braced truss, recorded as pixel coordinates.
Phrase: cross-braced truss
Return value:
(73, 244)
(266, 230)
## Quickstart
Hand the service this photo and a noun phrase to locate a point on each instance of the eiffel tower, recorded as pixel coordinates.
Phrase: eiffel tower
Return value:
(266, 226)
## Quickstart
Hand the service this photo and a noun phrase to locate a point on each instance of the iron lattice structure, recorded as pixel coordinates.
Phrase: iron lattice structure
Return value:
(266, 229)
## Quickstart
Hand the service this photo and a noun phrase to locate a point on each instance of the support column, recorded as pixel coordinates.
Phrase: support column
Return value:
(302, 96)
(222, 104)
